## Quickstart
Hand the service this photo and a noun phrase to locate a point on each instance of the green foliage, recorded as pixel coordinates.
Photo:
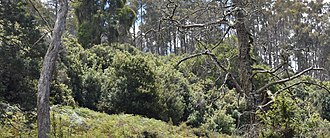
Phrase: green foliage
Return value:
(203, 67)
(82, 122)
(289, 116)
(90, 90)
(20, 55)
(219, 121)
(120, 79)
(96, 19)
(14, 122)
(117, 78)
(321, 99)
(87, 34)
(211, 109)
(126, 17)
(132, 86)
(261, 79)
(325, 106)
(61, 94)
(281, 120)
(174, 94)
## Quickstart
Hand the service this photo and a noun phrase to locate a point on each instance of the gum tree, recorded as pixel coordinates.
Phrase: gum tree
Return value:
(48, 69)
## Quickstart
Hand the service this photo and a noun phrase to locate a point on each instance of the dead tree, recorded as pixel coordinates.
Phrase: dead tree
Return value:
(48, 69)
(244, 83)
(244, 57)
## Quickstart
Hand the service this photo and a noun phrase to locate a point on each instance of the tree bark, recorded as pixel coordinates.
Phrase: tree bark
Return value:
(245, 61)
(47, 71)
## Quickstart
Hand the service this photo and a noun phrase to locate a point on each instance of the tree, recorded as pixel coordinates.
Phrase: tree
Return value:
(236, 17)
(245, 60)
(48, 69)
(102, 21)
(21, 49)
(158, 35)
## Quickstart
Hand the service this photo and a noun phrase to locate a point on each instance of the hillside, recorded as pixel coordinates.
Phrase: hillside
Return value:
(164, 68)
(83, 122)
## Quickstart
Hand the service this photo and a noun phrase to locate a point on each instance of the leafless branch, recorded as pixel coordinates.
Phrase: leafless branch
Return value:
(287, 79)
(216, 22)
(41, 16)
(147, 32)
(268, 71)
(290, 86)
(191, 56)
(35, 43)
(224, 81)
(223, 37)
(217, 63)
(192, 13)
(174, 8)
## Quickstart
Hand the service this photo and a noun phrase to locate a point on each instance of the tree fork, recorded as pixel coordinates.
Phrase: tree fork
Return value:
(47, 71)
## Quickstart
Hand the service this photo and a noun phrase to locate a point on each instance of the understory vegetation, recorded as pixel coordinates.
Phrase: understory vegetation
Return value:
(83, 122)
(167, 69)
(133, 86)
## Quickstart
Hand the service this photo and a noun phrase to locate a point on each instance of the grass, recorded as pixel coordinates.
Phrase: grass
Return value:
(71, 122)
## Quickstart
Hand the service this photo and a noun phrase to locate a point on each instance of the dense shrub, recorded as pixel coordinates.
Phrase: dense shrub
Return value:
(119, 79)
(16, 123)
(174, 94)
(131, 86)
(20, 55)
(289, 116)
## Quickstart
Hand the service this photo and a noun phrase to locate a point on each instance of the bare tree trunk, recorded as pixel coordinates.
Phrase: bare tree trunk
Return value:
(48, 69)
(245, 70)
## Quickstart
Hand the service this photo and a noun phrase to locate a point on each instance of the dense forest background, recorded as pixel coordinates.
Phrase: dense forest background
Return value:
(169, 68)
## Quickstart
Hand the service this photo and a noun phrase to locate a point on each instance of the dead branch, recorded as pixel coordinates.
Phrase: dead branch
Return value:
(290, 86)
(191, 56)
(42, 37)
(268, 71)
(41, 16)
(287, 79)
(305, 82)
(194, 12)
(224, 81)
(217, 63)
(223, 37)
(201, 25)
(174, 8)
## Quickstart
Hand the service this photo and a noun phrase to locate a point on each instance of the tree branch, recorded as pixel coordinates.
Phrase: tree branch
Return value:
(290, 86)
(42, 17)
(191, 56)
(218, 64)
(269, 71)
(287, 79)
(223, 37)
(220, 21)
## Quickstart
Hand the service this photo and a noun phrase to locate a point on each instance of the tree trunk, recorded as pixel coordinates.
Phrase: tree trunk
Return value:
(47, 71)
(245, 62)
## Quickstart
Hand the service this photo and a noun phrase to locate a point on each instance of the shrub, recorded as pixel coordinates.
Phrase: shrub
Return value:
(130, 86)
